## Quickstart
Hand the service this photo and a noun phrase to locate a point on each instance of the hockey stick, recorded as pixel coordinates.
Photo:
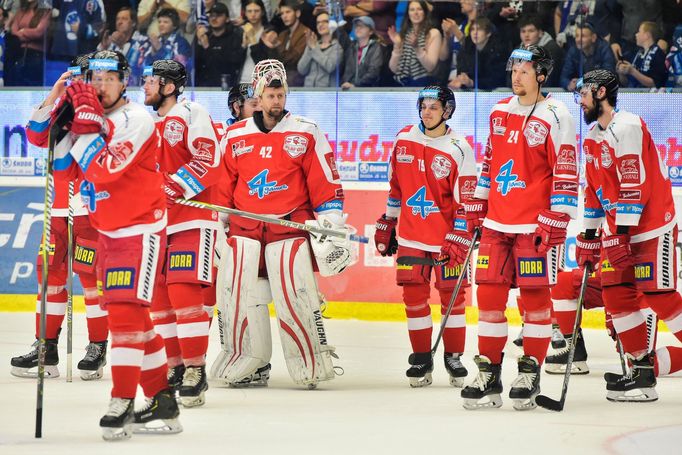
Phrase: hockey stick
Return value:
(273, 220)
(460, 280)
(416, 260)
(543, 400)
(621, 354)
(69, 290)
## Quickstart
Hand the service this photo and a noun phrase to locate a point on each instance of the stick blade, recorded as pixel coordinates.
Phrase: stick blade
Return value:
(547, 403)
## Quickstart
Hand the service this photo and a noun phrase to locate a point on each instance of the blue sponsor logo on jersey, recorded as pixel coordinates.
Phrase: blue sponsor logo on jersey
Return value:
(119, 278)
(606, 204)
(532, 267)
(644, 271)
(181, 260)
(506, 179)
(420, 205)
(260, 186)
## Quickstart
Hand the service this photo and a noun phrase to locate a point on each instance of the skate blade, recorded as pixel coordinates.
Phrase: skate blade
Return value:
(246, 385)
(560, 368)
(312, 386)
(117, 434)
(642, 395)
(193, 402)
(525, 404)
(427, 380)
(457, 382)
(487, 402)
(51, 372)
(159, 426)
(90, 375)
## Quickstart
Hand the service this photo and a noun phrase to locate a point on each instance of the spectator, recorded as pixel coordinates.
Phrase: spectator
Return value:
(268, 46)
(292, 40)
(634, 13)
(455, 34)
(3, 57)
(487, 71)
(365, 58)
(219, 52)
(589, 52)
(128, 41)
(321, 56)
(148, 18)
(648, 68)
(254, 12)
(674, 59)
(505, 18)
(531, 33)
(381, 12)
(567, 15)
(169, 43)
(78, 28)
(415, 48)
(29, 27)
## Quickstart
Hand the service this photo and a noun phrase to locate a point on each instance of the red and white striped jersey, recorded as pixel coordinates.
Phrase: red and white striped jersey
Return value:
(627, 182)
(429, 178)
(530, 164)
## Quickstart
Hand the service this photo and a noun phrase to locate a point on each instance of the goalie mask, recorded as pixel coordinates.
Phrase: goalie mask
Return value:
(268, 73)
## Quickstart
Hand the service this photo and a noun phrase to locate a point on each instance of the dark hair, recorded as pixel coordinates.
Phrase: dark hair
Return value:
(261, 5)
(170, 13)
(484, 23)
(530, 20)
(133, 13)
(427, 25)
(293, 4)
(38, 13)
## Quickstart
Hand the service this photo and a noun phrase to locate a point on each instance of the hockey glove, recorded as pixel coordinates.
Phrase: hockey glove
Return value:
(551, 230)
(587, 251)
(617, 251)
(476, 210)
(88, 111)
(172, 189)
(385, 236)
(456, 246)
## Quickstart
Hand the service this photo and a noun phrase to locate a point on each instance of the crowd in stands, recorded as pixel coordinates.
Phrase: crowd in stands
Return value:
(348, 43)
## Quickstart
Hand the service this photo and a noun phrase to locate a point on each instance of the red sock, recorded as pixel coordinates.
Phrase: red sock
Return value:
(192, 322)
(565, 302)
(96, 317)
(537, 322)
(454, 335)
(209, 294)
(163, 317)
(419, 322)
(154, 375)
(492, 322)
(55, 304)
(127, 323)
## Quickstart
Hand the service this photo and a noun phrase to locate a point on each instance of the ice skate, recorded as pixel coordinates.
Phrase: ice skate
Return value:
(556, 364)
(420, 371)
(485, 390)
(258, 379)
(455, 369)
(518, 341)
(175, 375)
(638, 386)
(526, 386)
(159, 415)
(193, 387)
(92, 365)
(558, 339)
(26, 366)
(117, 423)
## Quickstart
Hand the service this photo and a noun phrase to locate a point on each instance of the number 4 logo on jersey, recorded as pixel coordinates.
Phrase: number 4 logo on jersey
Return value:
(420, 205)
(507, 180)
(260, 186)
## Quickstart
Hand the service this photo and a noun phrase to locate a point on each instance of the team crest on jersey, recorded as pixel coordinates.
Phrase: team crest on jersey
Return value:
(468, 187)
(498, 128)
(240, 148)
(173, 132)
(441, 167)
(535, 133)
(295, 145)
(629, 169)
(120, 152)
(606, 160)
(401, 155)
(204, 149)
(566, 162)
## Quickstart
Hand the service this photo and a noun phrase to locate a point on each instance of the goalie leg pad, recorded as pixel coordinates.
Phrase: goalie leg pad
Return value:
(243, 318)
(294, 290)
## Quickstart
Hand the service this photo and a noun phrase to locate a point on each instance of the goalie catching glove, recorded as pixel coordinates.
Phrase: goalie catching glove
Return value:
(332, 254)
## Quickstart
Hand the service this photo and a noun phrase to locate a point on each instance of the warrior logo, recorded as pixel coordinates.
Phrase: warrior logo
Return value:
(173, 132)
(295, 145)
(441, 167)
(535, 133)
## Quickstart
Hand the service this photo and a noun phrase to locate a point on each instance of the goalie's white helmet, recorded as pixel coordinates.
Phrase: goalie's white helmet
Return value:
(268, 73)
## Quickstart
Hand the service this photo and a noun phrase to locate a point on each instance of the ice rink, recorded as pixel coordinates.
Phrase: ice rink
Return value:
(369, 410)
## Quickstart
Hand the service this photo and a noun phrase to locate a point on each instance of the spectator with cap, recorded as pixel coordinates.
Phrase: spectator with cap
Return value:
(321, 57)
(382, 14)
(169, 43)
(292, 40)
(531, 33)
(365, 57)
(589, 52)
(648, 68)
(219, 54)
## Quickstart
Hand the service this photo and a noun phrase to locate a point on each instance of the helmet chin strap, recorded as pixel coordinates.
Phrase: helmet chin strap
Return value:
(156, 106)
(424, 128)
(120, 95)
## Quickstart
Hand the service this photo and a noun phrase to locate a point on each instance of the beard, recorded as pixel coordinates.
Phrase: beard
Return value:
(591, 115)
(152, 100)
(519, 91)
(275, 112)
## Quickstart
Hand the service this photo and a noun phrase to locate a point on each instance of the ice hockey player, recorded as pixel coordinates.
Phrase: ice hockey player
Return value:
(85, 254)
(432, 170)
(280, 164)
(526, 195)
(189, 160)
(637, 249)
(111, 146)
(241, 104)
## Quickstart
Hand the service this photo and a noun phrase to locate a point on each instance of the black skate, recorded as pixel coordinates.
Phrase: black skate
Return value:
(558, 339)
(485, 390)
(556, 364)
(92, 365)
(638, 386)
(455, 369)
(175, 375)
(518, 341)
(193, 387)
(26, 366)
(526, 386)
(420, 371)
(159, 415)
(117, 423)
(257, 379)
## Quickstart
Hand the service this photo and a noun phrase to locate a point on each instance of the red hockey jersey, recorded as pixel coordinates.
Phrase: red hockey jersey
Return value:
(290, 167)
(530, 165)
(627, 182)
(429, 179)
(190, 152)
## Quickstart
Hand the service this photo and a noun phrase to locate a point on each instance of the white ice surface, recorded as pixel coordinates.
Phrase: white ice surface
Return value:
(369, 410)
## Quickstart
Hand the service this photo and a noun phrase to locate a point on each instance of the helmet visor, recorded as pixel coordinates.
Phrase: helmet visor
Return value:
(517, 57)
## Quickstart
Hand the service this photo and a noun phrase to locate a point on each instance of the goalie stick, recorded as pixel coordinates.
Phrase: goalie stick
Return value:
(543, 400)
(274, 220)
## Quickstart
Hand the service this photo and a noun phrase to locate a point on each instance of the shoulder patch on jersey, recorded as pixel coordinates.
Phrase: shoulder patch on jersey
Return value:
(295, 145)
(173, 131)
(441, 167)
(566, 161)
(535, 133)
(498, 128)
(629, 169)
(204, 149)
(239, 148)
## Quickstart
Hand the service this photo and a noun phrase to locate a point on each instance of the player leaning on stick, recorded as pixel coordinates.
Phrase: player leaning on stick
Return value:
(85, 239)
(432, 170)
(279, 164)
(526, 195)
(111, 146)
(629, 195)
